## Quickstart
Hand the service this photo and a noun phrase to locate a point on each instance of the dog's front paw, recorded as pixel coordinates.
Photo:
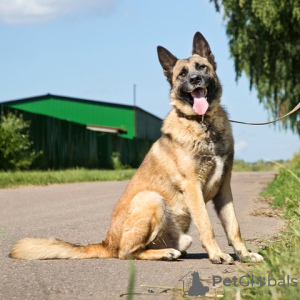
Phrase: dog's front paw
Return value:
(222, 258)
(251, 257)
(171, 254)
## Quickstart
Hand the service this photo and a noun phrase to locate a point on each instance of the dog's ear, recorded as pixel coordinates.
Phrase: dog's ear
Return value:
(167, 61)
(201, 47)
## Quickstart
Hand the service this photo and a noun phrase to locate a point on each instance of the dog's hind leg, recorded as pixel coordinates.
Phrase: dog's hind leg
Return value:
(184, 242)
(147, 219)
(157, 254)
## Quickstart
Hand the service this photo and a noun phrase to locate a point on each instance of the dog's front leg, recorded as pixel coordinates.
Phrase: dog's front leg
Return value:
(195, 202)
(224, 206)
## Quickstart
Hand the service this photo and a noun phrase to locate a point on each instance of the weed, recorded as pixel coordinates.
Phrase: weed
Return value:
(282, 256)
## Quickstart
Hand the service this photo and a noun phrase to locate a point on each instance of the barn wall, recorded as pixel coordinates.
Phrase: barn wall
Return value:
(132, 151)
(147, 126)
(69, 145)
(64, 144)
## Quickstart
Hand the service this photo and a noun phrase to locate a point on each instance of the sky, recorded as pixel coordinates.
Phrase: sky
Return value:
(98, 49)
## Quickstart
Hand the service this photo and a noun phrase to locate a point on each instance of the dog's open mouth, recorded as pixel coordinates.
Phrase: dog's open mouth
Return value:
(200, 105)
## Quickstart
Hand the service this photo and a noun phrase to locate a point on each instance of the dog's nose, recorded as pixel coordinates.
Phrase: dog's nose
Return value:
(194, 78)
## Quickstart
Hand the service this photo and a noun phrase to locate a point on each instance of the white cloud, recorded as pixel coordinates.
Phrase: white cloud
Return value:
(240, 145)
(34, 11)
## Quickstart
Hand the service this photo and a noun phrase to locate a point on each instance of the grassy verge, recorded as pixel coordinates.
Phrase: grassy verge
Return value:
(22, 178)
(279, 276)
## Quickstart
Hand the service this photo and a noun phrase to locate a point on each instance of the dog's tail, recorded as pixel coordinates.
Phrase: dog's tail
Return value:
(36, 248)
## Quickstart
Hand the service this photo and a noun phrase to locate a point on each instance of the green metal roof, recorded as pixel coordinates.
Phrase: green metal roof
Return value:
(79, 111)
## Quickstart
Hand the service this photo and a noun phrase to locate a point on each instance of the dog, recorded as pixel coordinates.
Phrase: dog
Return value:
(189, 165)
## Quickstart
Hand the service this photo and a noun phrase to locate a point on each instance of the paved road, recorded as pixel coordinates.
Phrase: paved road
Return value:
(80, 213)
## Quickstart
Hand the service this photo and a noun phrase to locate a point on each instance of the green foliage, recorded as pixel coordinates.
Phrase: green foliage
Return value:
(282, 255)
(240, 165)
(116, 162)
(15, 145)
(284, 188)
(264, 40)
(296, 160)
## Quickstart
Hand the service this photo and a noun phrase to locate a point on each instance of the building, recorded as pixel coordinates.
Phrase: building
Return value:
(75, 132)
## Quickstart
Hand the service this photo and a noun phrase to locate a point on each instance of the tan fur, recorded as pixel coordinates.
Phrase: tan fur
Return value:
(188, 166)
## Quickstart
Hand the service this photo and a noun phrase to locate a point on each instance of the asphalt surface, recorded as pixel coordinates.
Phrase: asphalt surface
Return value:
(80, 213)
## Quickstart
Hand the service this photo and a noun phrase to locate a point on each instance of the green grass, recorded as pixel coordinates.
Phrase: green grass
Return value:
(282, 255)
(132, 276)
(23, 178)
(284, 190)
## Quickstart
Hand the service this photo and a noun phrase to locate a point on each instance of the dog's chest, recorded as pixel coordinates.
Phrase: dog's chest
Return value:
(212, 142)
(211, 177)
(210, 156)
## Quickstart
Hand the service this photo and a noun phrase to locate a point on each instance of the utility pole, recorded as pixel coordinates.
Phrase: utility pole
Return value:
(134, 108)
(134, 95)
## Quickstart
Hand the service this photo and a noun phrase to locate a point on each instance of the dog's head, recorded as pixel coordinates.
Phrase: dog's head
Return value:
(195, 88)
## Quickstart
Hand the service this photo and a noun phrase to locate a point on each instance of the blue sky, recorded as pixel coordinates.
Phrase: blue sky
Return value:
(97, 49)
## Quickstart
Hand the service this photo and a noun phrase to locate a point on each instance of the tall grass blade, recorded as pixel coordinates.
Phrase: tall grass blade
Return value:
(131, 284)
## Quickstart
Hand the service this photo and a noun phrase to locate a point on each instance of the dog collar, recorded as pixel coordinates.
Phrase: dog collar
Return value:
(198, 118)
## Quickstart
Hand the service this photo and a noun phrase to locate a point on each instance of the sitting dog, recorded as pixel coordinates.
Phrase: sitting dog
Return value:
(187, 167)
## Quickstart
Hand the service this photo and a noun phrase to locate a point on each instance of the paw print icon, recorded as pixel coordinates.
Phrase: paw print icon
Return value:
(261, 281)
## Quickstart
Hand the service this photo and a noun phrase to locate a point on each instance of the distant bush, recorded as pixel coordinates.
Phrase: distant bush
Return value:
(15, 146)
(296, 160)
(116, 162)
(261, 165)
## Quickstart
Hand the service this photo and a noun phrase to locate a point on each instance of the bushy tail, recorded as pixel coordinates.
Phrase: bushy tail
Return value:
(36, 248)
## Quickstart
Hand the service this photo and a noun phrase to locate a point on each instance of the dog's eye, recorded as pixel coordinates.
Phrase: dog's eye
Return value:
(200, 67)
(183, 73)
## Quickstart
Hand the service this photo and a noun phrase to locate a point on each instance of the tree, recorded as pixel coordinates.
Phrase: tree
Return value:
(15, 145)
(264, 41)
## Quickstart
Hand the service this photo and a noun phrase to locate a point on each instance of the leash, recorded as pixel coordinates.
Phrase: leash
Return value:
(289, 113)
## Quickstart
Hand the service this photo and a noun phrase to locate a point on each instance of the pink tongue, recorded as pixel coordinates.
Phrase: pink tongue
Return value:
(200, 103)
